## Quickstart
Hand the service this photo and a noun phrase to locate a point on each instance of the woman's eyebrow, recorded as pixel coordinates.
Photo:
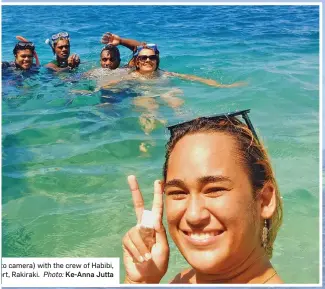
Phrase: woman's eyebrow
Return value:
(175, 183)
(213, 179)
(203, 181)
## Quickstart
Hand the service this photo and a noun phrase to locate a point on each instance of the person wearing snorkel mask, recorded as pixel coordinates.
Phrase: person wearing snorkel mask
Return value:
(24, 54)
(146, 61)
(60, 44)
(110, 54)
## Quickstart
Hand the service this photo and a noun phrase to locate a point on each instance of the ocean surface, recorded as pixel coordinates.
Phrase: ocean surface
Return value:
(66, 156)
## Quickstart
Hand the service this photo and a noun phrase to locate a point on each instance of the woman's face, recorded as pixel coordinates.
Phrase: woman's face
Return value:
(147, 61)
(211, 214)
(24, 58)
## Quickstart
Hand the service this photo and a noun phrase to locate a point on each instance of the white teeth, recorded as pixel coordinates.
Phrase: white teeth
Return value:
(201, 236)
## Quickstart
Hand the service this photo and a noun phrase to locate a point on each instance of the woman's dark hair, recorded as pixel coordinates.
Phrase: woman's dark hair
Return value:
(23, 46)
(251, 152)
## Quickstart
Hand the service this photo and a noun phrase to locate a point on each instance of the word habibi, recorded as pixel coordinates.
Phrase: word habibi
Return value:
(102, 265)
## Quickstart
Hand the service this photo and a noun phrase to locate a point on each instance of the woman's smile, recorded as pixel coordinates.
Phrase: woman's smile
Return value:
(202, 238)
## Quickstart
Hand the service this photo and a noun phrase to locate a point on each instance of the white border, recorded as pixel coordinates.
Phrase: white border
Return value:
(320, 4)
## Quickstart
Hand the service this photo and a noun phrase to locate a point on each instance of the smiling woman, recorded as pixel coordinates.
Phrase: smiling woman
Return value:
(222, 203)
(24, 53)
(146, 60)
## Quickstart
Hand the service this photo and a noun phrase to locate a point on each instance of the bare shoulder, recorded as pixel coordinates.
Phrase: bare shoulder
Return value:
(275, 280)
(51, 66)
(183, 277)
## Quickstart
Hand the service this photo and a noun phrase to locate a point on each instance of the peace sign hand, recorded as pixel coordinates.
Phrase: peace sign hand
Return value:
(143, 265)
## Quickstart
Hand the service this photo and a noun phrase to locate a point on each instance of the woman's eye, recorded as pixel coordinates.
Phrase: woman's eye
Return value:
(215, 192)
(176, 194)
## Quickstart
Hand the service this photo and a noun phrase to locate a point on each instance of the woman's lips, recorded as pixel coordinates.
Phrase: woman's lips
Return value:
(202, 238)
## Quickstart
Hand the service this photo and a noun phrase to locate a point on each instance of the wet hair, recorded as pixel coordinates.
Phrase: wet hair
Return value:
(252, 154)
(112, 50)
(54, 43)
(23, 46)
(156, 53)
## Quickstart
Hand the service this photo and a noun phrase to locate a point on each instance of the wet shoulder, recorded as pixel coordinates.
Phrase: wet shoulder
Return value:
(52, 64)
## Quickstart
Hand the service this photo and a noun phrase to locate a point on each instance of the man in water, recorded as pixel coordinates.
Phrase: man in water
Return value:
(60, 44)
(110, 57)
(24, 53)
(110, 54)
(110, 60)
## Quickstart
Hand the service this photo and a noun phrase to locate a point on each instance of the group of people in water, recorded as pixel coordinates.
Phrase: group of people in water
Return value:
(143, 66)
(223, 205)
(145, 60)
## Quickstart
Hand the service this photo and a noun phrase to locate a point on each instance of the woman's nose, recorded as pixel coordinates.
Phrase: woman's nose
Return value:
(196, 212)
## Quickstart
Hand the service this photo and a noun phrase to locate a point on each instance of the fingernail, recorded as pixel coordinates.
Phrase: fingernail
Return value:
(141, 259)
(147, 256)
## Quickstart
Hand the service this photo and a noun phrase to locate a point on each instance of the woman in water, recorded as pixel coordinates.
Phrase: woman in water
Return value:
(222, 204)
(146, 60)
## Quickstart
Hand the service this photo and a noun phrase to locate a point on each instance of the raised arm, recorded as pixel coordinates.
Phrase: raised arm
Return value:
(206, 81)
(110, 38)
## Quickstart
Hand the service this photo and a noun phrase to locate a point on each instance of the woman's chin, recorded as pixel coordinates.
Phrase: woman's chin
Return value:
(148, 69)
(207, 262)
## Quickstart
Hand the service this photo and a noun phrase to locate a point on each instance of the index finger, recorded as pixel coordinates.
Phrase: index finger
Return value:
(137, 197)
(158, 203)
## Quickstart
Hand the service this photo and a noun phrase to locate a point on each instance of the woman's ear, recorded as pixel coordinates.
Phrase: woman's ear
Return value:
(136, 62)
(267, 199)
(131, 62)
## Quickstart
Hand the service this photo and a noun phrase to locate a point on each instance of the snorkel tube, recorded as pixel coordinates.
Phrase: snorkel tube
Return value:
(23, 39)
(48, 41)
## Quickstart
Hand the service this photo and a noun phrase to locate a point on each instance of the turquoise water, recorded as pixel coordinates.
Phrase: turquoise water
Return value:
(65, 159)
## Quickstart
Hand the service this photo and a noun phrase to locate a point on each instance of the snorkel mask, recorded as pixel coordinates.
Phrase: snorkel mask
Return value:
(22, 46)
(55, 38)
(151, 46)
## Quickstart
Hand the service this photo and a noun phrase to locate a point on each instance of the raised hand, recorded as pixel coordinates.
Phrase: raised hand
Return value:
(110, 38)
(142, 265)
(73, 61)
